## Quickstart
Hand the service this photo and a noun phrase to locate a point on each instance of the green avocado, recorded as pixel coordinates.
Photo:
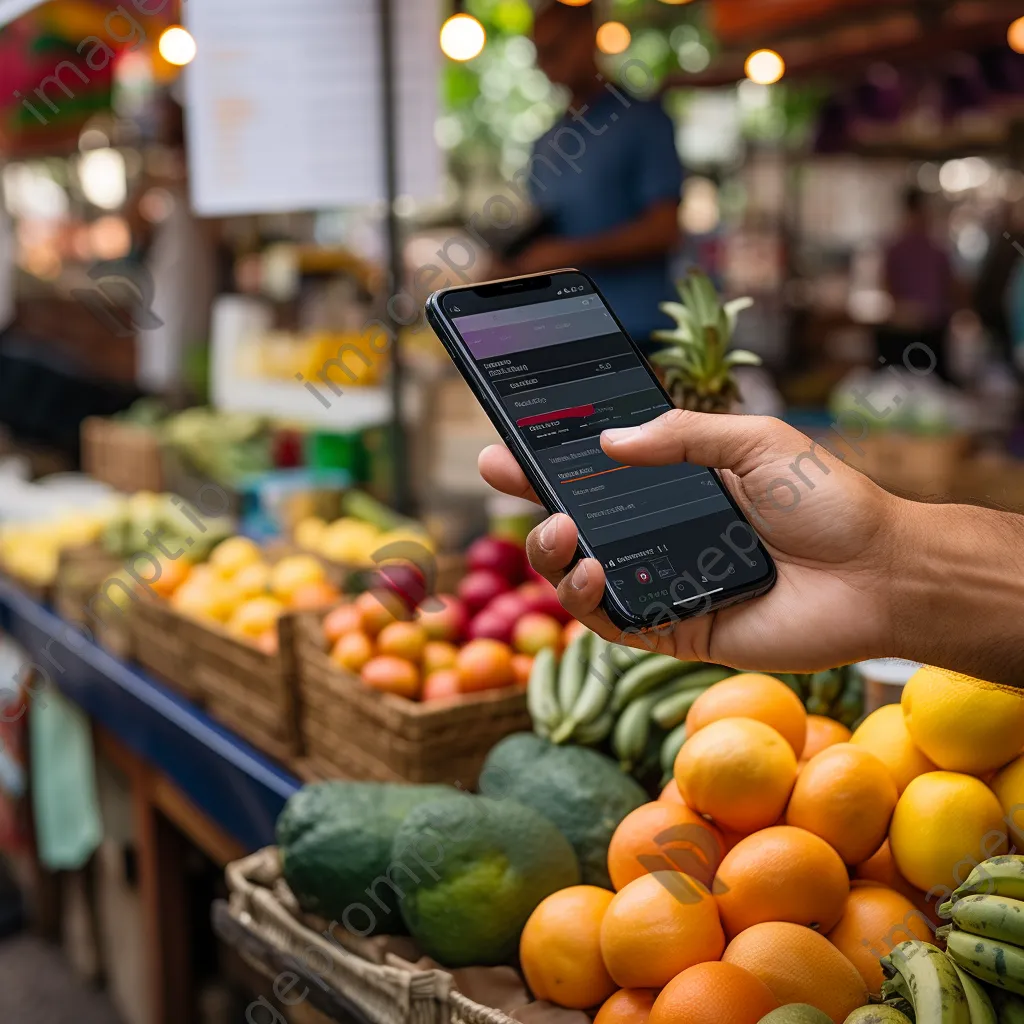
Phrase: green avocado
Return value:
(335, 843)
(472, 870)
(583, 792)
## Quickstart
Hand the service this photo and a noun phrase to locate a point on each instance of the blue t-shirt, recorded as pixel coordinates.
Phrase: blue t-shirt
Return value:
(587, 178)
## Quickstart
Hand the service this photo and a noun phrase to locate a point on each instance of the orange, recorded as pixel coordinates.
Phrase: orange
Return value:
(874, 921)
(884, 734)
(437, 655)
(657, 926)
(663, 836)
(846, 796)
(403, 640)
(781, 874)
(671, 793)
(881, 870)
(751, 695)
(346, 618)
(314, 596)
(173, 572)
(737, 771)
(377, 609)
(352, 651)
(254, 617)
(560, 948)
(522, 666)
(713, 993)
(484, 665)
(291, 573)
(627, 1006)
(822, 732)
(392, 675)
(1008, 787)
(800, 966)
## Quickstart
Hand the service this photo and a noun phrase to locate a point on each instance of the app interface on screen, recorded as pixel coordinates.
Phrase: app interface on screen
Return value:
(565, 372)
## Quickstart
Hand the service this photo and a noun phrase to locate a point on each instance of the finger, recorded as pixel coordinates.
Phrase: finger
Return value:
(704, 439)
(502, 472)
(551, 547)
(582, 589)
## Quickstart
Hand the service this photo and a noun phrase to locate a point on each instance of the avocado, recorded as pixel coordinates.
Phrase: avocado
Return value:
(796, 1013)
(472, 870)
(583, 792)
(335, 843)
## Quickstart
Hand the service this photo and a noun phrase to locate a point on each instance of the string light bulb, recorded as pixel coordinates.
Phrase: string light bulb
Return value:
(462, 37)
(765, 67)
(613, 37)
(1015, 35)
(177, 46)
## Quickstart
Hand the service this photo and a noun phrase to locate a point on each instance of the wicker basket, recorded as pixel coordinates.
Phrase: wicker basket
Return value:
(79, 575)
(123, 455)
(386, 988)
(244, 688)
(352, 731)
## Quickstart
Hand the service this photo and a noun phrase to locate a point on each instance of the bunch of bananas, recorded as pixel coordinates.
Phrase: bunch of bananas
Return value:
(980, 977)
(835, 693)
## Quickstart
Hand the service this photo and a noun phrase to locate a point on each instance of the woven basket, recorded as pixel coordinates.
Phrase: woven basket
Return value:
(158, 646)
(386, 988)
(352, 731)
(79, 575)
(123, 455)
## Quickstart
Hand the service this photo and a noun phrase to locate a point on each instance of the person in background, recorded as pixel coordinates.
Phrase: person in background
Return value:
(612, 208)
(919, 277)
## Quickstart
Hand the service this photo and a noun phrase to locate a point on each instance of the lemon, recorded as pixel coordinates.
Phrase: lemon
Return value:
(233, 554)
(944, 825)
(884, 734)
(309, 533)
(1008, 787)
(963, 724)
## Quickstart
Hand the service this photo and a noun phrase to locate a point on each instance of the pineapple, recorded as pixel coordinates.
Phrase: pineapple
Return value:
(698, 364)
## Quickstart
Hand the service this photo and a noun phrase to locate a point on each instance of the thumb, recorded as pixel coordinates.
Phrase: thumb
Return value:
(721, 441)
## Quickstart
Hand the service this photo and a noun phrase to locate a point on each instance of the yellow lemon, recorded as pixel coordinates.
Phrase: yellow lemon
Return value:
(1008, 787)
(944, 825)
(309, 533)
(884, 734)
(963, 724)
(233, 554)
(292, 572)
(255, 617)
(251, 581)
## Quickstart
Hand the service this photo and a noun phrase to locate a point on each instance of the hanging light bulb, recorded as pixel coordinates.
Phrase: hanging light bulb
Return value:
(1015, 35)
(462, 37)
(613, 37)
(765, 67)
(177, 46)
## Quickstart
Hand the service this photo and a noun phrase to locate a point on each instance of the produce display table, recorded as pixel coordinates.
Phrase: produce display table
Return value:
(189, 777)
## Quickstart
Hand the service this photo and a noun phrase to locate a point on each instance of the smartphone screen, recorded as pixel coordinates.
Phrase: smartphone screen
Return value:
(560, 367)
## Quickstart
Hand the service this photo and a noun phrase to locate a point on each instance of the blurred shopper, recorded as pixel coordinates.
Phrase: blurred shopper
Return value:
(605, 179)
(919, 277)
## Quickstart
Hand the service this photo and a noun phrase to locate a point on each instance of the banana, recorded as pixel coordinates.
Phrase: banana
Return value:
(880, 1014)
(938, 996)
(826, 686)
(793, 681)
(668, 713)
(670, 747)
(573, 670)
(629, 738)
(594, 694)
(895, 988)
(993, 917)
(1009, 1007)
(645, 676)
(594, 732)
(978, 1001)
(541, 692)
(997, 963)
(997, 876)
(624, 658)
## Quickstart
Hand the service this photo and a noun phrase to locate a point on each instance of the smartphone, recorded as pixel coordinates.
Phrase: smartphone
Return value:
(552, 366)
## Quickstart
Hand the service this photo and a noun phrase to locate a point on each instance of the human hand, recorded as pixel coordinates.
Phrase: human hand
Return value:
(833, 533)
(543, 255)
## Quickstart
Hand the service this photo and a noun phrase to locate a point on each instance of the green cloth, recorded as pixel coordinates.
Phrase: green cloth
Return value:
(67, 818)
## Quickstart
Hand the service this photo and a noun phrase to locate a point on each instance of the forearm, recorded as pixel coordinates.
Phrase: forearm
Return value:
(653, 234)
(958, 590)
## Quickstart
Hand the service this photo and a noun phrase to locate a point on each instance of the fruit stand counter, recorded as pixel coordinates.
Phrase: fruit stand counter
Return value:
(189, 777)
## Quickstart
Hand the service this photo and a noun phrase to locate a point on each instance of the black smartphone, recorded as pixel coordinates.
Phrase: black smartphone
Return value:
(552, 366)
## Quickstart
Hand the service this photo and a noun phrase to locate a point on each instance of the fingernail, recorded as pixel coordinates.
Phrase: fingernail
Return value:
(579, 577)
(549, 534)
(616, 434)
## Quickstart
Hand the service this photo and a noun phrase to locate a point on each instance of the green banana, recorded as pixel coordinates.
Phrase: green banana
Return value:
(997, 876)
(593, 696)
(594, 732)
(978, 1001)
(793, 681)
(629, 738)
(670, 747)
(880, 1014)
(849, 705)
(573, 670)
(624, 658)
(644, 677)
(896, 987)
(1009, 1007)
(997, 963)
(668, 713)
(938, 996)
(825, 687)
(993, 917)
(541, 690)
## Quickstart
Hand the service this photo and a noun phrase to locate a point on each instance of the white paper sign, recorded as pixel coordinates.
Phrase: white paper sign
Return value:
(284, 104)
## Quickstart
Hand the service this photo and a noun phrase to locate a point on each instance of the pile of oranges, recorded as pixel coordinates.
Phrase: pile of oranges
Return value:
(786, 856)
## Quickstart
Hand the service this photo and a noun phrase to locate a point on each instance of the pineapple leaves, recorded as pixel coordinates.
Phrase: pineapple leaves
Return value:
(733, 310)
(741, 357)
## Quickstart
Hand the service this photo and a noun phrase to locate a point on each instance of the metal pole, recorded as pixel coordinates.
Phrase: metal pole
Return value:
(400, 492)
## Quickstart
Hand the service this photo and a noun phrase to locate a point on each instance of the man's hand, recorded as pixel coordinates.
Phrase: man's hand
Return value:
(834, 535)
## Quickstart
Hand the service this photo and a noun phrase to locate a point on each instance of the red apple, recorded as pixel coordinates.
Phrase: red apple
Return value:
(534, 632)
(509, 606)
(540, 596)
(444, 617)
(489, 625)
(504, 557)
(405, 581)
(480, 588)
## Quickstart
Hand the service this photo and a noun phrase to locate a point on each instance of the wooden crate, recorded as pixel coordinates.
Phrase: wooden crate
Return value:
(80, 573)
(123, 455)
(246, 689)
(352, 731)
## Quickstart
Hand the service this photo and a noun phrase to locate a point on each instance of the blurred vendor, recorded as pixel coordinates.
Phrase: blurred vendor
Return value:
(605, 179)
